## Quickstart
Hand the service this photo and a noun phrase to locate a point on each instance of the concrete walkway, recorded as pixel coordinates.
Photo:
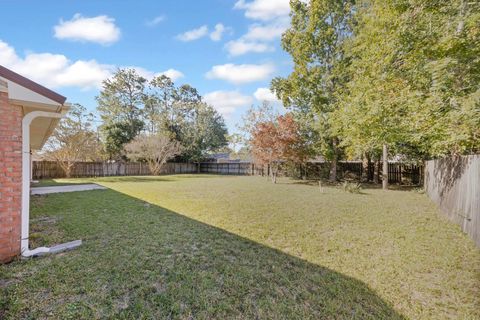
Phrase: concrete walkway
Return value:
(72, 188)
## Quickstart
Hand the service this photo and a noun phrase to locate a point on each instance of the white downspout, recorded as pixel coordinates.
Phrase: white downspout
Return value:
(27, 120)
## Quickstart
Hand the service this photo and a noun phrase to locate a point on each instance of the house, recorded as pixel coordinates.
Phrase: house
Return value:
(218, 157)
(29, 113)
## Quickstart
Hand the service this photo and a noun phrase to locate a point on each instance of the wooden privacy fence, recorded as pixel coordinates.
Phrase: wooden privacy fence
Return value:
(397, 172)
(51, 169)
(240, 168)
(400, 173)
(454, 185)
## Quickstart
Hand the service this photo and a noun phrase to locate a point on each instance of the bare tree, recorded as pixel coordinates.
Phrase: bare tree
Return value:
(74, 140)
(155, 149)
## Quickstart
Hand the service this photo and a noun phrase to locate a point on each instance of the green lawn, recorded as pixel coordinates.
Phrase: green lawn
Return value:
(58, 182)
(203, 247)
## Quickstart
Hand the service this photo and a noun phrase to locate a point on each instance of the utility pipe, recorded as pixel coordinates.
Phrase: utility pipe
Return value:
(26, 122)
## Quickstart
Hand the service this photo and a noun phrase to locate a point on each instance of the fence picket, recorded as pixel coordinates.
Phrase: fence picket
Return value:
(397, 172)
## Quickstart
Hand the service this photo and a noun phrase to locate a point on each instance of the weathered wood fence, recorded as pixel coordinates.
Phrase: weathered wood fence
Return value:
(400, 173)
(397, 172)
(240, 168)
(51, 169)
(454, 185)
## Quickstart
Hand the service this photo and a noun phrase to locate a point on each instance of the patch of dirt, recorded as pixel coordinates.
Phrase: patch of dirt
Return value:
(122, 303)
(4, 283)
(45, 220)
(160, 287)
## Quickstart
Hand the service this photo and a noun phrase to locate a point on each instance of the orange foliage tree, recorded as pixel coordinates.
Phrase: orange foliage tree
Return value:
(274, 142)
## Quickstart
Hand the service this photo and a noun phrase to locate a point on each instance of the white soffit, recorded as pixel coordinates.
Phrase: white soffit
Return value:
(19, 93)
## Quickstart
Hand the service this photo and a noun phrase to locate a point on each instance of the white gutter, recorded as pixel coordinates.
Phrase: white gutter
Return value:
(26, 164)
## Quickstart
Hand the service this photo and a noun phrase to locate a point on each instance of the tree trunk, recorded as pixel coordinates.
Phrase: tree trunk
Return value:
(365, 166)
(333, 164)
(68, 169)
(273, 172)
(376, 167)
(385, 168)
(333, 171)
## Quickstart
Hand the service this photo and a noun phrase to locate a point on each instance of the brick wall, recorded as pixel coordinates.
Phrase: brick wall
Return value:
(10, 176)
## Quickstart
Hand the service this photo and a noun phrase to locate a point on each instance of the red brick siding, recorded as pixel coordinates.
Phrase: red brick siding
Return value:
(10, 178)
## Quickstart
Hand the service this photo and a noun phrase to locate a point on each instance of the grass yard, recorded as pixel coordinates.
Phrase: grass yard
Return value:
(203, 247)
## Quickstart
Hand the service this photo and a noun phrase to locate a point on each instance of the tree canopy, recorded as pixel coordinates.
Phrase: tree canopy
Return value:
(398, 76)
(129, 105)
(315, 41)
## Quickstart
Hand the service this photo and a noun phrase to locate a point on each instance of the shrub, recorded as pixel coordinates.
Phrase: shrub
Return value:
(352, 187)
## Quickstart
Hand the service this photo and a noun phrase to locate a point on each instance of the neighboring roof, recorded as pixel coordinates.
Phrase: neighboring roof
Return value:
(33, 86)
(224, 155)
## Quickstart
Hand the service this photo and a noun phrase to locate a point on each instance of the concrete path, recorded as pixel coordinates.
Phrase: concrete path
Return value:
(72, 188)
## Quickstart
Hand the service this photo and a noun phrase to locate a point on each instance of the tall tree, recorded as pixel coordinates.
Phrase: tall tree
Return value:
(129, 104)
(182, 116)
(315, 41)
(117, 134)
(202, 133)
(440, 44)
(373, 105)
(122, 97)
(120, 104)
(414, 80)
(159, 105)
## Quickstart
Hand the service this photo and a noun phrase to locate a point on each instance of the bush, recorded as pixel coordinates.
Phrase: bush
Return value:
(292, 170)
(352, 187)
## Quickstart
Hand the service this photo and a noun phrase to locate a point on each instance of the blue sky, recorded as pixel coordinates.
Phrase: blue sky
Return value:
(228, 49)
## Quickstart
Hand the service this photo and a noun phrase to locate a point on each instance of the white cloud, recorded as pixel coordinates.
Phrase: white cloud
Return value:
(8, 56)
(100, 29)
(149, 75)
(267, 32)
(83, 74)
(240, 47)
(56, 70)
(173, 74)
(264, 94)
(240, 73)
(153, 22)
(217, 34)
(193, 34)
(226, 102)
(264, 9)
(255, 40)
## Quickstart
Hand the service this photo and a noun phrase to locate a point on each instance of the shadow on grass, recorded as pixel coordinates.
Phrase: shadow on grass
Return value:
(144, 261)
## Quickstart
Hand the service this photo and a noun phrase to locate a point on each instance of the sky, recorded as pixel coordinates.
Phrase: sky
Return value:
(228, 49)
